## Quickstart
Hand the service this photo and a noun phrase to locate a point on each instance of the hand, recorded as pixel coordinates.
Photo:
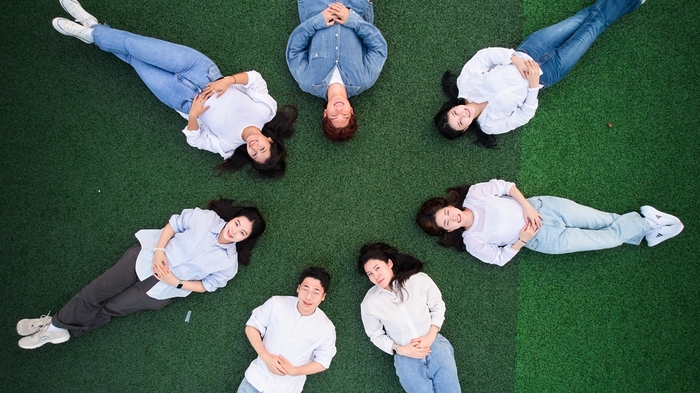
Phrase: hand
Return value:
(288, 368)
(528, 232)
(198, 105)
(340, 12)
(413, 351)
(328, 16)
(168, 278)
(219, 87)
(160, 263)
(275, 363)
(520, 64)
(533, 73)
(423, 341)
(532, 216)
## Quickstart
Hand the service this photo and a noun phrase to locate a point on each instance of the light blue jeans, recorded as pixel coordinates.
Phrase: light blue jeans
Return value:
(570, 227)
(174, 73)
(436, 373)
(557, 48)
(246, 387)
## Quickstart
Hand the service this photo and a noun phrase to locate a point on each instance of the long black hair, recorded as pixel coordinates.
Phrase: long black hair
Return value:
(449, 87)
(426, 217)
(228, 209)
(404, 265)
(278, 129)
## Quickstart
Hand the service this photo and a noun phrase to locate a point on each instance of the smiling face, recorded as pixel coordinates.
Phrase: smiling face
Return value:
(236, 230)
(311, 294)
(461, 116)
(258, 147)
(450, 218)
(338, 110)
(379, 272)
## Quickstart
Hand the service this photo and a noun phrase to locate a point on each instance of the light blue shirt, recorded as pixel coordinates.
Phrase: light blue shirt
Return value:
(192, 254)
(357, 48)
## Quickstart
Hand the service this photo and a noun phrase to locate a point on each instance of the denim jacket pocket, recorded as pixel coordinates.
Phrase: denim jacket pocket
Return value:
(320, 89)
(318, 55)
(352, 90)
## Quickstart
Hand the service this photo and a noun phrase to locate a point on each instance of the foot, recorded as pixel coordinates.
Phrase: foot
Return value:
(70, 28)
(659, 234)
(44, 336)
(76, 11)
(26, 327)
(658, 217)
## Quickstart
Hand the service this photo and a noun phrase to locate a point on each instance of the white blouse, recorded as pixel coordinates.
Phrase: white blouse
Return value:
(387, 320)
(241, 106)
(490, 77)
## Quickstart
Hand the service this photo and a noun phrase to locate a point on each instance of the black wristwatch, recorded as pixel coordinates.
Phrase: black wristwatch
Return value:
(179, 284)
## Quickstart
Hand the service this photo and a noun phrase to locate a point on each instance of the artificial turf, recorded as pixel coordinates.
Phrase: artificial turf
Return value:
(90, 156)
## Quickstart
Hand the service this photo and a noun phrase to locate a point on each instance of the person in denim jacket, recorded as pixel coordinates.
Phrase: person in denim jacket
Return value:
(314, 58)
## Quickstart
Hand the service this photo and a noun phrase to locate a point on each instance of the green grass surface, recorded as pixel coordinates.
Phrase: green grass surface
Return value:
(90, 156)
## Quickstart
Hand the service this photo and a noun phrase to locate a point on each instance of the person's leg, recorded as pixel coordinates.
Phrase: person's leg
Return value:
(246, 387)
(570, 227)
(412, 374)
(174, 73)
(559, 47)
(442, 368)
(80, 311)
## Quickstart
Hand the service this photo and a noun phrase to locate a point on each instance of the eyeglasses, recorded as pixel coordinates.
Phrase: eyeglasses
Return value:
(306, 291)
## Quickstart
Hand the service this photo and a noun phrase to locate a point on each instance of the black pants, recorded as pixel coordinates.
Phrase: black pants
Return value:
(115, 293)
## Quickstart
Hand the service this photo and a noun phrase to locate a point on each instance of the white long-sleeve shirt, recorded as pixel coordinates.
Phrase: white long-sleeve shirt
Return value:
(300, 339)
(387, 320)
(490, 77)
(498, 219)
(241, 106)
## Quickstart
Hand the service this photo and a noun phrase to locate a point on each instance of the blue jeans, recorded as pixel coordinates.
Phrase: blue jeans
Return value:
(436, 373)
(570, 227)
(246, 387)
(174, 73)
(310, 8)
(557, 48)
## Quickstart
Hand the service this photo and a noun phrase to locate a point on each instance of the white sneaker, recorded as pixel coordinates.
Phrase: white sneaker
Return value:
(44, 336)
(26, 327)
(657, 235)
(70, 28)
(76, 11)
(658, 217)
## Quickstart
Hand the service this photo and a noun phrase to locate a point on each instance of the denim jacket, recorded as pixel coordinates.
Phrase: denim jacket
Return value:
(357, 47)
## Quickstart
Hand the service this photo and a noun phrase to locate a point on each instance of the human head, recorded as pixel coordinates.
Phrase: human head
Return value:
(236, 230)
(340, 134)
(403, 266)
(228, 210)
(258, 148)
(425, 218)
(312, 289)
(276, 131)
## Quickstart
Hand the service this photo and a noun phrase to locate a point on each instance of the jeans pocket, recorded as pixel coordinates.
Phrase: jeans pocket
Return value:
(213, 73)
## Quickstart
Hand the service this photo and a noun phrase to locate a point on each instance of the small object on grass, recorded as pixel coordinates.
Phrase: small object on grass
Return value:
(609, 125)
(187, 318)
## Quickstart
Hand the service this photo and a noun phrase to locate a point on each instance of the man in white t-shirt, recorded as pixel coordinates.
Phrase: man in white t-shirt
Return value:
(292, 337)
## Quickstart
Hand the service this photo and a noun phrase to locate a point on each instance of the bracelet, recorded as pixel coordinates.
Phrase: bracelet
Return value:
(159, 249)
(524, 242)
(234, 79)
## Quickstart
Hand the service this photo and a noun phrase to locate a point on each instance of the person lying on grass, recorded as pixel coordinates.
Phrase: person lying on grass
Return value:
(197, 251)
(402, 315)
(493, 221)
(336, 53)
(233, 116)
(497, 89)
(292, 337)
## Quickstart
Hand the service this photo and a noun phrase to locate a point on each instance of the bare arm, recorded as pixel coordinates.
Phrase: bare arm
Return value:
(273, 362)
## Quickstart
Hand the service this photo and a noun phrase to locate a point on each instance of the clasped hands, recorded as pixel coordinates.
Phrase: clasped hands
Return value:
(529, 69)
(336, 12)
(418, 348)
(161, 269)
(278, 365)
(533, 223)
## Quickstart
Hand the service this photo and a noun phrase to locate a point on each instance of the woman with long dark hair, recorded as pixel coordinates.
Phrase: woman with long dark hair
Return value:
(498, 87)
(493, 221)
(402, 315)
(197, 251)
(233, 116)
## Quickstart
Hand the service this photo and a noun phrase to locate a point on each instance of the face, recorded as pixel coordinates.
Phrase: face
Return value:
(338, 110)
(379, 272)
(461, 116)
(258, 147)
(236, 230)
(311, 294)
(450, 218)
